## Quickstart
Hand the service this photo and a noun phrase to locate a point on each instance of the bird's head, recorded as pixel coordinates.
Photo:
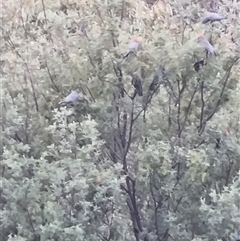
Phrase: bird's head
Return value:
(138, 39)
(200, 36)
(226, 132)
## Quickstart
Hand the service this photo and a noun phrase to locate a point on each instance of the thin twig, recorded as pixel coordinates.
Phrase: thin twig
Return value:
(202, 106)
(44, 11)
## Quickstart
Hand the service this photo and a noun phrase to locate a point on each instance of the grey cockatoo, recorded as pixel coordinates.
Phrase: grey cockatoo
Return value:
(212, 17)
(206, 45)
(159, 75)
(133, 46)
(137, 83)
(238, 237)
(71, 98)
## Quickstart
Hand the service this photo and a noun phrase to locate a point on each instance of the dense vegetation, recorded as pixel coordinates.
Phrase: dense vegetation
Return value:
(116, 166)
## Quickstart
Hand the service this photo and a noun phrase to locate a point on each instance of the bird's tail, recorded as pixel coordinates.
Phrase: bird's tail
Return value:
(205, 20)
(129, 53)
(139, 91)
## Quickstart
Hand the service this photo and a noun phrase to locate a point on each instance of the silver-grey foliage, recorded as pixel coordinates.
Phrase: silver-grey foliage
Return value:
(116, 167)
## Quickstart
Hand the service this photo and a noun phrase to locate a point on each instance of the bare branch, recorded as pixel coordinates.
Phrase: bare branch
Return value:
(44, 10)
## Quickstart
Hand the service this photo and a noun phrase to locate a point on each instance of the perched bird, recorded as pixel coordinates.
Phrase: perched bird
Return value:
(159, 75)
(154, 83)
(133, 46)
(206, 45)
(71, 98)
(219, 140)
(212, 17)
(137, 83)
(198, 65)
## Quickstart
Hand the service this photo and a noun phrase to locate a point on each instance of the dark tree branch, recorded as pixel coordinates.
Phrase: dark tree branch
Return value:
(178, 202)
(155, 209)
(147, 103)
(124, 132)
(179, 109)
(225, 78)
(169, 112)
(202, 106)
(50, 76)
(122, 12)
(44, 10)
(129, 138)
(188, 109)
